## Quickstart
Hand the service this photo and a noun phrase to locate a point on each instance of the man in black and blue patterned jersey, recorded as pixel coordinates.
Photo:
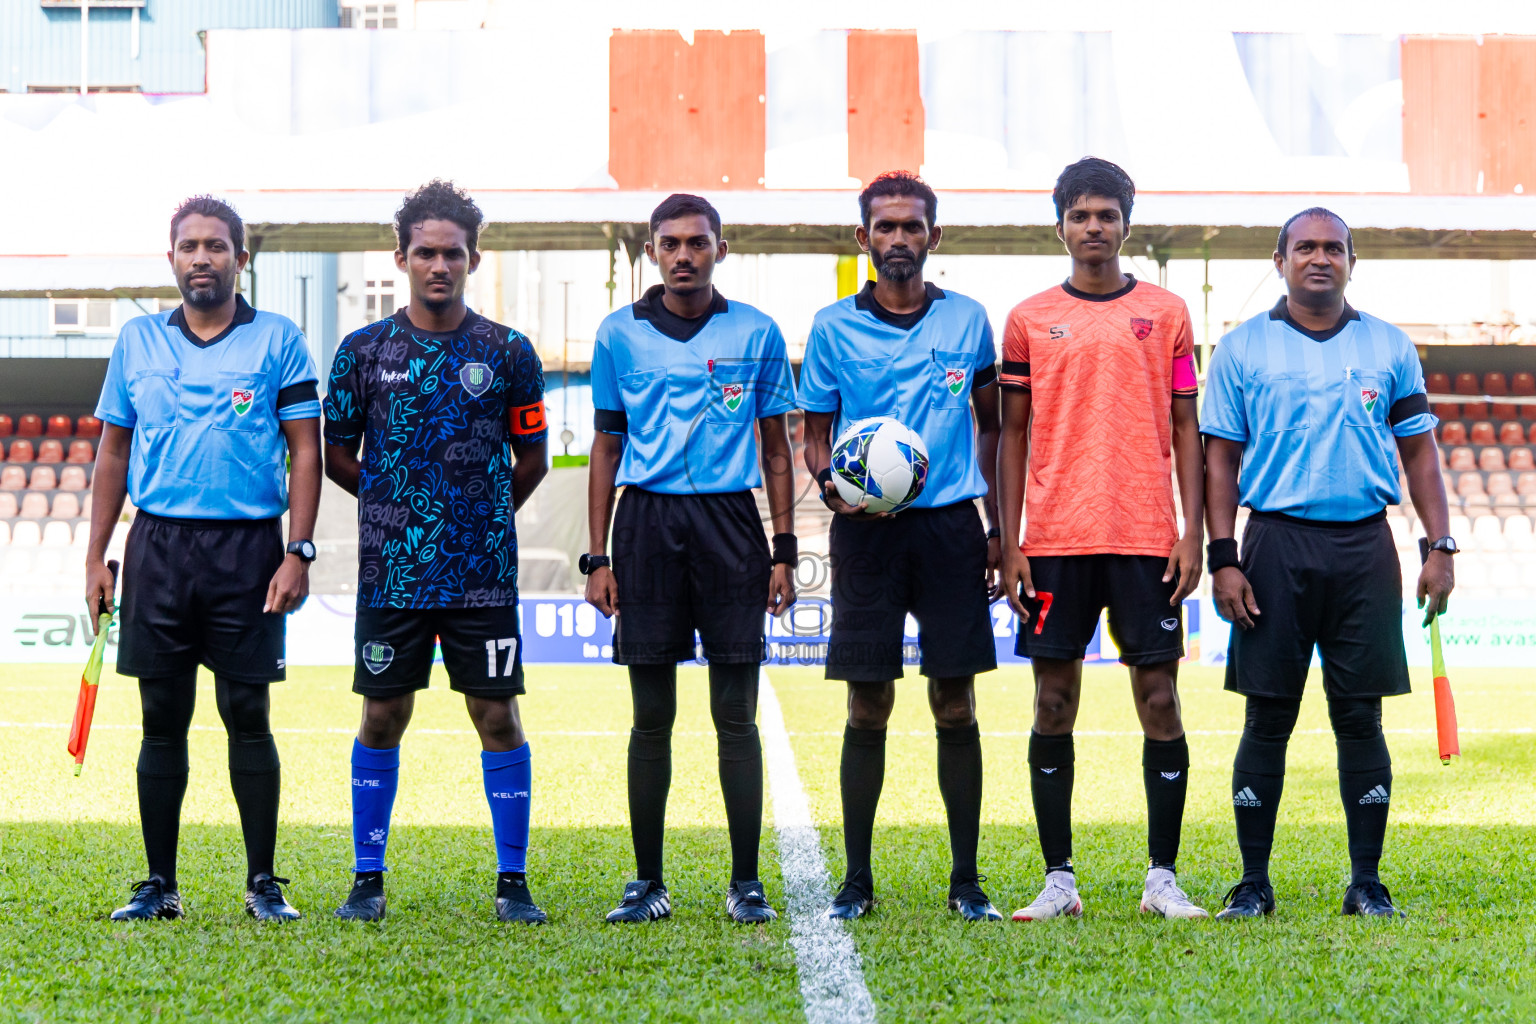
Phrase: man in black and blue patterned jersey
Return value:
(447, 409)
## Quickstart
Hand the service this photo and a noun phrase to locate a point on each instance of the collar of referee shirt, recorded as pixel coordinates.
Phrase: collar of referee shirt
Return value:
(678, 328)
(1282, 311)
(244, 314)
(866, 301)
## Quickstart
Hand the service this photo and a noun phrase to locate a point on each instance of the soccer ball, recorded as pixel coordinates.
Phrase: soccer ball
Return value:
(881, 462)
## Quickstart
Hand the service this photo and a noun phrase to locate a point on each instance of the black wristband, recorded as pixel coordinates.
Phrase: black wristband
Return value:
(824, 477)
(994, 533)
(786, 549)
(1221, 554)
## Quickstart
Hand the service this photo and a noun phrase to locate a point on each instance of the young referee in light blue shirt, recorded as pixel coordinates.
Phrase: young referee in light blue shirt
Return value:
(211, 424)
(907, 349)
(681, 380)
(1309, 409)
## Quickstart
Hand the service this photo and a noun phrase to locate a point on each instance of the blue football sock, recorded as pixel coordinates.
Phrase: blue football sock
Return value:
(375, 777)
(508, 782)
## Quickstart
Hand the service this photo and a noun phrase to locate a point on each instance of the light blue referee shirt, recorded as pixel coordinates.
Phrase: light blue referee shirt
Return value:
(920, 368)
(205, 414)
(685, 394)
(1317, 412)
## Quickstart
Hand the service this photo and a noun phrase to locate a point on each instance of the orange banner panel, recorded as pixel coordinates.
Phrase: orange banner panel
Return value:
(1469, 114)
(885, 104)
(687, 118)
(1506, 86)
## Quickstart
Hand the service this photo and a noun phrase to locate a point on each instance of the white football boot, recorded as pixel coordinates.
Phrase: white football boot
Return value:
(1059, 898)
(1164, 898)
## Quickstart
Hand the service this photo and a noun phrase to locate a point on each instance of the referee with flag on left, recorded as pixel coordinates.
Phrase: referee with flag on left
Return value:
(211, 424)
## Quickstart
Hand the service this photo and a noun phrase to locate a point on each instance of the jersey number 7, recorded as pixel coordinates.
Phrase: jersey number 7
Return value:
(506, 643)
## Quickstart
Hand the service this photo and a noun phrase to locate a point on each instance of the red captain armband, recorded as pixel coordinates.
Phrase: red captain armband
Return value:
(526, 420)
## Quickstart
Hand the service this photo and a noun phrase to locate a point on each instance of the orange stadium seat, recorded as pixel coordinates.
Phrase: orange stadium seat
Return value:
(29, 426)
(88, 426)
(1447, 412)
(7, 505)
(1521, 459)
(34, 506)
(6, 426)
(1474, 411)
(51, 451)
(1523, 383)
(65, 506)
(1500, 483)
(1532, 435)
(1467, 384)
(1494, 383)
(81, 453)
(1438, 383)
(1462, 460)
(1482, 433)
(72, 478)
(13, 478)
(1507, 505)
(1478, 504)
(21, 451)
(1469, 483)
(44, 478)
(1491, 460)
(1526, 483)
(1511, 433)
(1504, 411)
(1454, 432)
(60, 426)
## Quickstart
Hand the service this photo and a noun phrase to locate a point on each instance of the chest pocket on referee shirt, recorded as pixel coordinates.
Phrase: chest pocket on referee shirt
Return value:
(156, 397)
(646, 405)
(867, 387)
(731, 398)
(1366, 398)
(951, 373)
(1280, 402)
(240, 401)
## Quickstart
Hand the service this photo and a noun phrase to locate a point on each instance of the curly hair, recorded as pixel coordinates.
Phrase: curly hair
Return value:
(438, 200)
(899, 183)
(1092, 176)
(210, 206)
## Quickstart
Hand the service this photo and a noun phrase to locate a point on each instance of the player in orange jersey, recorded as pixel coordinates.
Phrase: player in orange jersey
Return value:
(1099, 386)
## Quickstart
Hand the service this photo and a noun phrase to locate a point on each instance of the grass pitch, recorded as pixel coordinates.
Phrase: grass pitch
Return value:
(1460, 856)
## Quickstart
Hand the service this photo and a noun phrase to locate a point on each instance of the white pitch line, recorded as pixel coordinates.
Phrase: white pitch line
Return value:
(831, 977)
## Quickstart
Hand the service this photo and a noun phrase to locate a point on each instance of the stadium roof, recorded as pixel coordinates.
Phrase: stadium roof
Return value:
(1165, 225)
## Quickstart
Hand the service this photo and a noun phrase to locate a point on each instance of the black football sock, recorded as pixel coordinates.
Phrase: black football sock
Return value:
(862, 774)
(255, 773)
(167, 703)
(1165, 774)
(1258, 780)
(1051, 761)
(653, 689)
(1365, 781)
(733, 705)
(960, 785)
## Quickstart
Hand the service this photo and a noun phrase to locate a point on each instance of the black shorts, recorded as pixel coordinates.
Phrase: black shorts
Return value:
(193, 590)
(689, 563)
(1338, 586)
(1071, 591)
(929, 562)
(482, 650)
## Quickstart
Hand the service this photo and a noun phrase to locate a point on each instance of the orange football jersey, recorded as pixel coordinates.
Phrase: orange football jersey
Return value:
(1101, 373)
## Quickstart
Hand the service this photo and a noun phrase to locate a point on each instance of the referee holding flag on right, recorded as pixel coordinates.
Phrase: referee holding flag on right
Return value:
(1303, 408)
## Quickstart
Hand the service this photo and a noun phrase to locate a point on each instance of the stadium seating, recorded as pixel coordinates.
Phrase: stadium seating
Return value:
(1521, 458)
(8, 506)
(20, 451)
(88, 426)
(1467, 384)
(34, 506)
(1500, 483)
(6, 426)
(1462, 460)
(60, 426)
(72, 478)
(13, 478)
(1448, 413)
(57, 535)
(51, 451)
(1453, 432)
(80, 453)
(1491, 460)
(1438, 383)
(1511, 432)
(1469, 483)
(43, 478)
(66, 505)
(29, 425)
(1494, 384)
(25, 533)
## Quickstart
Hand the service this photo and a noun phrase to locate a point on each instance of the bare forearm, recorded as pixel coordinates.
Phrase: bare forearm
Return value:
(1222, 460)
(1189, 464)
(528, 472)
(986, 454)
(1426, 487)
(1012, 463)
(303, 477)
(818, 442)
(109, 489)
(602, 471)
(778, 472)
(342, 468)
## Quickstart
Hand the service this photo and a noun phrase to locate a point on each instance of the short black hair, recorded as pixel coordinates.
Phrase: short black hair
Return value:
(438, 200)
(210, 206)
(1092, 176)
(1314, 211)
(681, 204)
(898, 183)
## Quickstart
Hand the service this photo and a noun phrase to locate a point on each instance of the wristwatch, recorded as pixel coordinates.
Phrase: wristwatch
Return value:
(305, 549)
(1446, 544)
(590, 563)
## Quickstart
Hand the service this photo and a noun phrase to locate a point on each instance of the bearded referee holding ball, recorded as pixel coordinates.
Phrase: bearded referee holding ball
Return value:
(448, 409)
(211, 425)
(905, 348)
(682, 380)
(1309, 410)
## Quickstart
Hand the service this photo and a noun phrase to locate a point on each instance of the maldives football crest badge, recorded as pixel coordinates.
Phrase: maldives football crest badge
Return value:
(1142, 326)
(475, 377)
(1368, 398)
(954, 380)
(242, 399)
(732, 394)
